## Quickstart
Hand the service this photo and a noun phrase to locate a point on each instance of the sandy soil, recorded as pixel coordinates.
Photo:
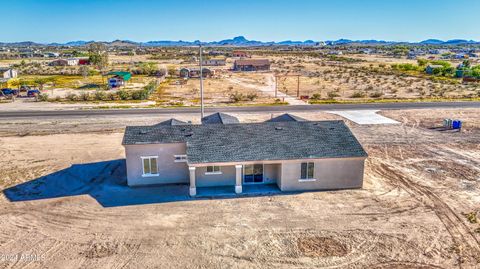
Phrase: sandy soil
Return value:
(72, 209)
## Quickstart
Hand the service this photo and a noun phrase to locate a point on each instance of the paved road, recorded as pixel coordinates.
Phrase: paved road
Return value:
(245, 109)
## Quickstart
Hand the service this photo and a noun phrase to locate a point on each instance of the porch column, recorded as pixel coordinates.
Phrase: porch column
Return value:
(193, 188)
(238, 178)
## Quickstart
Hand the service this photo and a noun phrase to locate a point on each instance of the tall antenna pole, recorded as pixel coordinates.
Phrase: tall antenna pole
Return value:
(201, 83)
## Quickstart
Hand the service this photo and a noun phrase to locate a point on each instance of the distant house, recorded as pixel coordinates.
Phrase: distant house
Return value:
(59, 62)
(240, 54)
(83, 62)
(293, 155)
(432, 67)
(51, 55)
(214, 62)
(65, 62)
(195, 72)
(118, 78)
(8, 73)
(251, 65)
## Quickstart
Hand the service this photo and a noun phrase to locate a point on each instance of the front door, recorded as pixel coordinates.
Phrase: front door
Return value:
(253, 173)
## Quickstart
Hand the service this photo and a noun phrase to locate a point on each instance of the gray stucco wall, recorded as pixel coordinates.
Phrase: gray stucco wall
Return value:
(169, 171)
(226, 178)
(330, 174)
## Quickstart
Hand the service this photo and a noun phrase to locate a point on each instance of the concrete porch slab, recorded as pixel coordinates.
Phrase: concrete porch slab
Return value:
(229, 191)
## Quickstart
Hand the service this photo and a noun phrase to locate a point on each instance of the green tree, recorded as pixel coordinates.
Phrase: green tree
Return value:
(422, 62)
(98, 55)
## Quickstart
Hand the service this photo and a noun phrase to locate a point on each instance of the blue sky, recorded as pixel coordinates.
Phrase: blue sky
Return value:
(265, 20)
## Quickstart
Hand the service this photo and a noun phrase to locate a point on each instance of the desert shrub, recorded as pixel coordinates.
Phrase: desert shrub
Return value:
(140, 95)
(236, 97)
(57, 99)
(358, 94)
(71, 97)
(252, 96)
(100, 95)
(43, 97)
(472, 217)
(110, 96)
(316, 96)
(332, 94)
(376, 94)
(84, 96)
(123, 95)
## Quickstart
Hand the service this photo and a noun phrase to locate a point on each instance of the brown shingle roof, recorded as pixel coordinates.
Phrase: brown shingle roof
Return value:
(254, 62)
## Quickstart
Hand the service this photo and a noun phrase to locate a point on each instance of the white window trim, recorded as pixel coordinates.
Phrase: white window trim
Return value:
(143, 171)
(182, 160)
(219, 172)
(307, 180)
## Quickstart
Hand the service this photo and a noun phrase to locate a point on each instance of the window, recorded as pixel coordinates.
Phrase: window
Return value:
(150, 167)
(180, 158)
(307, 170)
(253, 173)
(213, 170)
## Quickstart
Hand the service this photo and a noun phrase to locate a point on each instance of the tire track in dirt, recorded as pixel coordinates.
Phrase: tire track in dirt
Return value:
(468, 247)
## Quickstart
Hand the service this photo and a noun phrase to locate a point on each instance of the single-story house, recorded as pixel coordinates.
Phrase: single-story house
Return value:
(214, 62)
(295, 155)
(240, 54)
(8, 73)
(430, 69)
(84, 61)
(251, 65)
(195, 72)
(51, 54)
(64, 62)
(118, 78)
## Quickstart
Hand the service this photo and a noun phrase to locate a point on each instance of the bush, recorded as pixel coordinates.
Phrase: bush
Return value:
(376, 94)
(358, 94)
(252, 96)
(123, 95)
(110, 96)
(100, 95)
(84, 96)
(140, 95)
(43, 97)
(236, 97)
(316, 96)
(71, 97)
(332, 94)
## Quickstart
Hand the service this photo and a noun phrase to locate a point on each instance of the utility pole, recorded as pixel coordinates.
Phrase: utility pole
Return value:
(298, 86)
(201, 84)
(276, 86)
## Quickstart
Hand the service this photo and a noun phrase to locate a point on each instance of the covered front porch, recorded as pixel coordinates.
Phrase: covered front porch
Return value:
(230, 179)
(229, 191)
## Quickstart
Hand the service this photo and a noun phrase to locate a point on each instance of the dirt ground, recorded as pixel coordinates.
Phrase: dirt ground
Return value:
(65, 203)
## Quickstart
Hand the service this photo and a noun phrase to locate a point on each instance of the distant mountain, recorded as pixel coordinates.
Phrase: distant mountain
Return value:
(460, 42)
(432, 42)
(78, 43)
(360, 42)
(241, 41)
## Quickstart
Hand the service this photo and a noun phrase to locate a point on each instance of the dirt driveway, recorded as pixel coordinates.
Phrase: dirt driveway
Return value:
(66, 204)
